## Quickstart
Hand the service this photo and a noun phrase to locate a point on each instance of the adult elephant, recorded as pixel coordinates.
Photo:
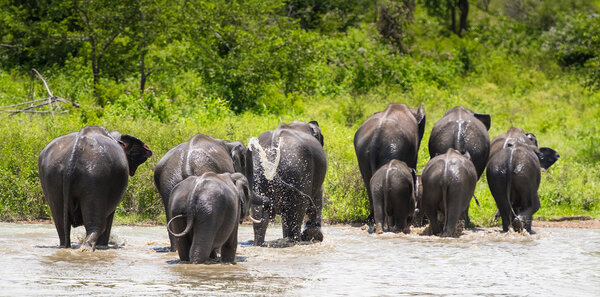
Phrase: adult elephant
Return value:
(465, 131)
(290, 166)
(394, 133)
(512, 136)
(84, 176)
(514, 174)
(448, 184)
(195, 157)
(394, 189)
(205, 213)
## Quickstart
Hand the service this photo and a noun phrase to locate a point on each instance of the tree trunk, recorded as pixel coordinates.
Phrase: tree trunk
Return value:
(143, 75)
(95, 68)
(463, 6)
(452, 7)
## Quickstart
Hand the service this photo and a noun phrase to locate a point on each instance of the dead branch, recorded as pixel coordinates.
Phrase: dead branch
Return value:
(51, 99)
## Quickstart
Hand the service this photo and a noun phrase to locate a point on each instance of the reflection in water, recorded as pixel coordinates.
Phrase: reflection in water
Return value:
(349, 261)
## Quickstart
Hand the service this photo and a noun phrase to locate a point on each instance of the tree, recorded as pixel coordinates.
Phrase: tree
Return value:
(394, 17)
(447, 10)
(102, 21)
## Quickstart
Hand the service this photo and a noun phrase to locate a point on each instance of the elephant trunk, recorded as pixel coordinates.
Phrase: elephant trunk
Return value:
(188, 225)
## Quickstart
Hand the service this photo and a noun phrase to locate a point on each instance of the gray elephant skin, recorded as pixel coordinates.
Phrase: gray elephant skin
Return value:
(514, 174)
(290, 166)
(195, 157)
(394, 133)
(206, 212)
(84, 175)
(393, 188)
(465, 131)
(448, 184)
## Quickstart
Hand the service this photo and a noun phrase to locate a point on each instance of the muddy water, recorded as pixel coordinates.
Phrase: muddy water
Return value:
(554, 262)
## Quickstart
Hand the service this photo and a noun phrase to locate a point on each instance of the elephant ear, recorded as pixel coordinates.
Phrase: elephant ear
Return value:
(485, 119)
(547, 157)
(238, 155)
(244, 193)
(420, 117)
(532, 137)
(316, 131)
(137, 152)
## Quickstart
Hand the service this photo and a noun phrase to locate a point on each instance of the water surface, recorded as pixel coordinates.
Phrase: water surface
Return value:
(350, 261)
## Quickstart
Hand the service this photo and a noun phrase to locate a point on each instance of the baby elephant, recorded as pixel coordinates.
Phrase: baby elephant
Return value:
(448, 185)
(205, 212)
(392, 188)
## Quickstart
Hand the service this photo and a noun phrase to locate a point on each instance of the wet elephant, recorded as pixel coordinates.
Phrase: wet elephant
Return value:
(513, 135)
(465, 131)
(290, 166)
(394, 133)
(393, 188)
(514, 174)
(195, 157)
(84, 176)
(448, 184)
(205, 213)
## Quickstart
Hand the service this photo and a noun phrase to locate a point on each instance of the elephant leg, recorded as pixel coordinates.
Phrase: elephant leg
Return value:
(379, 214)
(182, 244)
(202, 243)
(432, 197)
(499, 191)
(172, 239)
(454, 210)
(260, 229)
(291, 219)
(55, 200)
(229, 248)
(530, 205)
(312, 228)
(104, 238)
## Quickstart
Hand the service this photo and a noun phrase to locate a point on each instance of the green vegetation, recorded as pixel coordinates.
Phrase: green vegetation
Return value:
(232, 69)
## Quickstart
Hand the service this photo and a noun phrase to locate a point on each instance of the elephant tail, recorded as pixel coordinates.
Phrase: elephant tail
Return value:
(188, 226)
(386, 190)
(445, 201)
(67, 177)
(509, 175)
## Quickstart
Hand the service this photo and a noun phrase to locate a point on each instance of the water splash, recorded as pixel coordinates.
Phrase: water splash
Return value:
(270, 168)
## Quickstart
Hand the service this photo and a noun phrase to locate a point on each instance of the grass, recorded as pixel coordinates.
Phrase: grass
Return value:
(514, 83)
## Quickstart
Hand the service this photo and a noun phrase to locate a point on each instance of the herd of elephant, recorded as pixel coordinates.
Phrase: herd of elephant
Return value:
(208, 186)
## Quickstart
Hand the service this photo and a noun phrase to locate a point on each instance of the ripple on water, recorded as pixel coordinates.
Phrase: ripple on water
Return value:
(349, 261)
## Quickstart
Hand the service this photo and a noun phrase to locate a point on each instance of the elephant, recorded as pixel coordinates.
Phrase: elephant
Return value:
(514, 174)
(195, 157)
(290, 166)
(465, 131)
(84, 175)
(205, 212)
(393, 187)
(449, 182)
(511, 136)
(394, 133)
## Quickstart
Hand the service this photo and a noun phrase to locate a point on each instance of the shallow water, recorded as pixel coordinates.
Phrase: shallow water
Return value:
(350, 261)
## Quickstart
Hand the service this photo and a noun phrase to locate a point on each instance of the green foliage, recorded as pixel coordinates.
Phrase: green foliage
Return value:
(233, 69)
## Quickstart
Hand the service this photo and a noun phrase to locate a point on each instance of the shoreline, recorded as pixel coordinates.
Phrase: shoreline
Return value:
(563, 222)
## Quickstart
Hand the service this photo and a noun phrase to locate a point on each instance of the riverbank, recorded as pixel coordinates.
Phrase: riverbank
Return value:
(562, 222)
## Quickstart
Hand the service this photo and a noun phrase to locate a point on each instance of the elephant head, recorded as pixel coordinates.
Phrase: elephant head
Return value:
(244, 193)
(137, 151)
(547, 157)
(242, 160)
